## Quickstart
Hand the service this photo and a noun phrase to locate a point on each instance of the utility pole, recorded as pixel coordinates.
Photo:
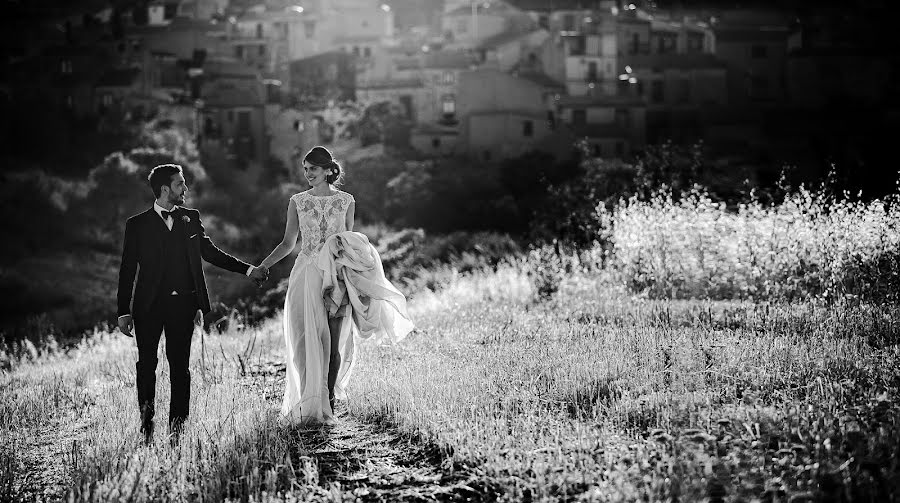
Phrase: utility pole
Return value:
(475, 19)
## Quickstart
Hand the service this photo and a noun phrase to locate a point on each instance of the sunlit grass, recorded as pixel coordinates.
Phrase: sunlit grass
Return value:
(812, 245)
(593, 394)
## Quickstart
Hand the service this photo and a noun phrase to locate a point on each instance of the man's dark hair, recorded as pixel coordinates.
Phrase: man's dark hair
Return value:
(162, 175)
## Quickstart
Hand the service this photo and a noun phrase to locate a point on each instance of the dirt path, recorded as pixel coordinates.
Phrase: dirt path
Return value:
(44, 457)
(364, 456)
(374, 461)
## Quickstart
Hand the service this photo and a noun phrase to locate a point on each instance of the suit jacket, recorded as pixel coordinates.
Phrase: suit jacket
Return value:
(143, 247)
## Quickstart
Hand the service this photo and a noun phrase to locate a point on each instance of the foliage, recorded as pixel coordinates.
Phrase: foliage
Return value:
(568, 213)
(416, 262)
(811, 245)
(367, 180)
(446, 195)
(384, 122)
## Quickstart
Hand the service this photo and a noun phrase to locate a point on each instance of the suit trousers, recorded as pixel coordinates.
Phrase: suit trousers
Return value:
(175, 315)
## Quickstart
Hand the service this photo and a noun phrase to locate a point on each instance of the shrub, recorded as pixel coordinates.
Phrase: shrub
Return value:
(810, 245)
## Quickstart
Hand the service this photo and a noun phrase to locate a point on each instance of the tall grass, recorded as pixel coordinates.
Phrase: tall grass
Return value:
(592, 395)
(812, 245)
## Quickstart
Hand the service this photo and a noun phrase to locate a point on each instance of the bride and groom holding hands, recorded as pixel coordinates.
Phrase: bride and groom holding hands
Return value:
(337, 292)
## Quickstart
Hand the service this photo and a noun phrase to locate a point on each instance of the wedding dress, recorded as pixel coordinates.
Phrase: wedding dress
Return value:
(337, 274)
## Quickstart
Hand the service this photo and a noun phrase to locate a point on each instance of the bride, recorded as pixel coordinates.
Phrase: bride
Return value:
(337, 291)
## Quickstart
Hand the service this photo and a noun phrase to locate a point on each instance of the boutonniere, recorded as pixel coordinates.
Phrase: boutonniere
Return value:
(186, 219)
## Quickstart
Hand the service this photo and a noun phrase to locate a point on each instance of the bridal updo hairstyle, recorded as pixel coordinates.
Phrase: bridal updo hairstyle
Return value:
(320, 156)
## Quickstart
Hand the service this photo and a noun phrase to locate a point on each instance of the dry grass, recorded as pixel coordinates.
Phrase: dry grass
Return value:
(812, 245)
(593, 395)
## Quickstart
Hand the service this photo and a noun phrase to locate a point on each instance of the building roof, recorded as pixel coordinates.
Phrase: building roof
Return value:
(675, 61)
(229, 68)
(225, 94)
(438, 60)
(436, 129)
(519, 112)
(390, 84)
(179, 24)
(599, 101)
(751, 34)
(449, 60)
(270, 15)
(505, 38)
(349, 39)
(323, 57)
(119, 77)
(553, 5)
(541, 79)
(486, 8)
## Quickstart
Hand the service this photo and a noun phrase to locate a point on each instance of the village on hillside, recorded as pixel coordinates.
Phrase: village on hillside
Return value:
(489, 80)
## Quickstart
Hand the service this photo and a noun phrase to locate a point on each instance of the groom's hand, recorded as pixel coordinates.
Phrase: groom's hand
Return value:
(259, 275)
(126, 324)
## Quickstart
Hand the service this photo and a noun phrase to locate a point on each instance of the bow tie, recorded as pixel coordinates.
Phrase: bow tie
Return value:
(166, 214)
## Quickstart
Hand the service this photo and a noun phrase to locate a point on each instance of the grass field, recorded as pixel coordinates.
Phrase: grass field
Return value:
(592, 395)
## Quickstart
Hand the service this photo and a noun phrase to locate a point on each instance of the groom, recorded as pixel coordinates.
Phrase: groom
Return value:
(163, 248)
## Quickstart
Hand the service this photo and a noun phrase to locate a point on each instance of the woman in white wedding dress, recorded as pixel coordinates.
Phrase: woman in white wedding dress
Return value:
(336, 292)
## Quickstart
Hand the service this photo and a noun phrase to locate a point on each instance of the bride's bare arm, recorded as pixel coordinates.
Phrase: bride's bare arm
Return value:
(286, 246)
(351, 210)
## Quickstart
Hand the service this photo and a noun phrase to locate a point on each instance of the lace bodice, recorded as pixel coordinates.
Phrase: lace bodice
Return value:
(320, 217)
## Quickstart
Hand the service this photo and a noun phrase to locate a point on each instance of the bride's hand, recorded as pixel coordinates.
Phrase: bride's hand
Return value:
(259, 275)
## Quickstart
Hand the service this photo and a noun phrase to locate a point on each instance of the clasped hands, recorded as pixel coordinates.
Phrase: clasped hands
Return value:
(259, 274)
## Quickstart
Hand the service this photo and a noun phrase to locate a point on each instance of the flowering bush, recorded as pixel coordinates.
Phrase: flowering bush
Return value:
(810, 245)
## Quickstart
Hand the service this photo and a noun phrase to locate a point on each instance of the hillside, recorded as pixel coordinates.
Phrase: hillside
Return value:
(594, 395)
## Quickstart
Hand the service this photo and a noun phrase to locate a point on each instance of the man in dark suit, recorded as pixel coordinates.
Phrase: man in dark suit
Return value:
(163, 249)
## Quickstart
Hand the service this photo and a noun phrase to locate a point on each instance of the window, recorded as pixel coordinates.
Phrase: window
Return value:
(436, 142)
(66, 66)
(695, 43)
(551, 120)
(579, 117)
(259, 30)
(262, 50)
(107, 100)
(309, 28)
(622, 117)
(449, 78)
(568, 22)
(620, 149)
(527, 129)
(448, 104)
(758, 51)
(70, 102)
(462, 25)
(592, 71)
(239, 51)
(576, 46)
(544, 21)
(635, 43)
(657, 93)
(597, 149)
(356, 50)
(230, 116)
(486, 155)
(684, 90)
(367, 52)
